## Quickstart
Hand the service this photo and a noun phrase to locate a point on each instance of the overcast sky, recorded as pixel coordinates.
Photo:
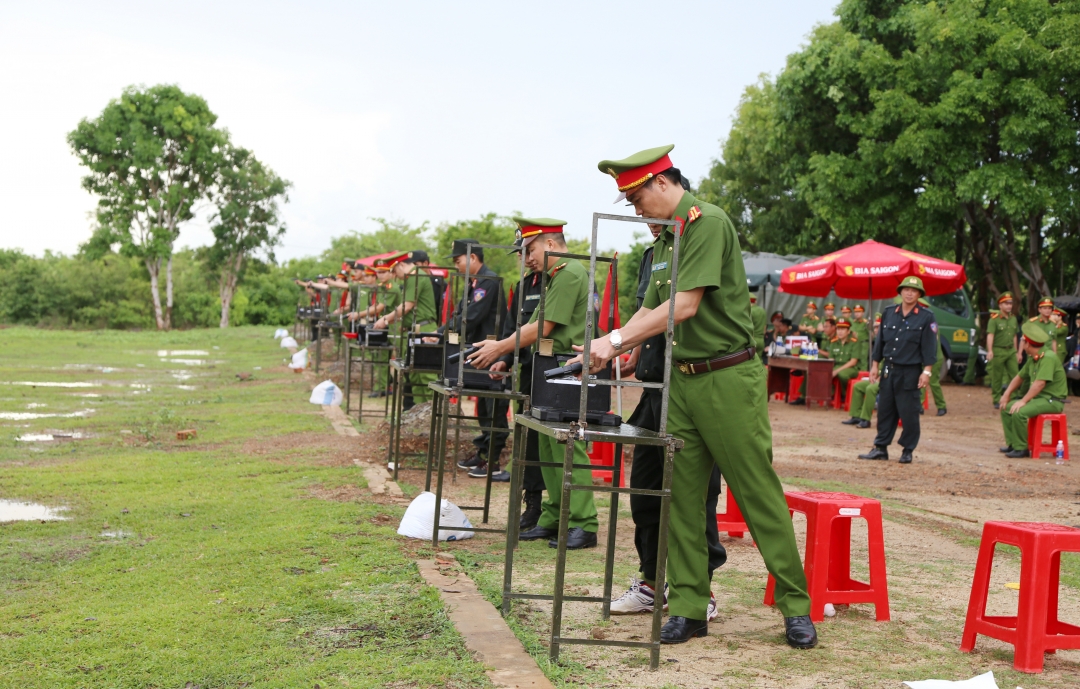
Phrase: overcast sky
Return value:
(415, 111)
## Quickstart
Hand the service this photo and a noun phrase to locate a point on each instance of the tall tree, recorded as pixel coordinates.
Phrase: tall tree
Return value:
(245, 220)
(151, 156)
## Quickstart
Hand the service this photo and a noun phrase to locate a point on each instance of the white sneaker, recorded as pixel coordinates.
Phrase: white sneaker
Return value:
(712, 611)
(639, 598)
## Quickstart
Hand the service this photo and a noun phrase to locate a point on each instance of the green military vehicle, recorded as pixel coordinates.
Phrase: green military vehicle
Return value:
(957, 331)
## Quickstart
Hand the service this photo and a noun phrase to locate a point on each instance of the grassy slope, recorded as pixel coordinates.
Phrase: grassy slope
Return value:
(230, 572)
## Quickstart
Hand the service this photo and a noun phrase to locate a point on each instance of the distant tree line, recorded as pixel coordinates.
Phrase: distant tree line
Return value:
(951, 127)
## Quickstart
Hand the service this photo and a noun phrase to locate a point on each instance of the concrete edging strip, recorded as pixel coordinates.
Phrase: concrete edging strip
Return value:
(486, 634)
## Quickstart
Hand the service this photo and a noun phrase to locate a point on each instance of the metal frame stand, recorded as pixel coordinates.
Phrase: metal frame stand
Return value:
(368, 360)
(398, 374)
(441, 414)
(579, 431)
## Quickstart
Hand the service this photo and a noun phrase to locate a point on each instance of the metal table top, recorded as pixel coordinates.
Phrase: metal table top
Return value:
(624, 434)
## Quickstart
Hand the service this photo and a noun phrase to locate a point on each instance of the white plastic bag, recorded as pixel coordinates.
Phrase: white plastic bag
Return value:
(288, 343)
(419, 520)
(299, 360)
(326, 394)
(280, 333)
(983, 681)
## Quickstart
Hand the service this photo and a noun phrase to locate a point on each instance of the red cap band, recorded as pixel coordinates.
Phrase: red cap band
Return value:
(639, 175)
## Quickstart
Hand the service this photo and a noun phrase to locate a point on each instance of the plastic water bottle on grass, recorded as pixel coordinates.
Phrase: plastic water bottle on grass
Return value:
(1059, 453)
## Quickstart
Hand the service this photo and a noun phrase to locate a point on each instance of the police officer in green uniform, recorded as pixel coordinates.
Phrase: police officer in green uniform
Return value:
(1061, 334)
(808, 324)
(565, 306)
(385, 299)
(416, 310)
(860, 327)
(1043, 320)
(1001, 350)
(864, 395)
(843, 348)
(716, 376)
(905, 351)
(1046, 392)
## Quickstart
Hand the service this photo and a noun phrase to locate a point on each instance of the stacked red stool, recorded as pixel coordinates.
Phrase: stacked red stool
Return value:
(603, 457)
(863, 375)
(1035, 629)
(1059, 431)
(828, 552)
(731, 520)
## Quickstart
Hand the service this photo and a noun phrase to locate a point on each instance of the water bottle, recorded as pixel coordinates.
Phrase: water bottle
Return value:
(1059, 453)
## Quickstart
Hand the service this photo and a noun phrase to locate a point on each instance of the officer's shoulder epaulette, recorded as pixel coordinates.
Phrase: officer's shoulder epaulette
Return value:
(556, 269)
(834, 339)
(1033, 319)
(852, 338)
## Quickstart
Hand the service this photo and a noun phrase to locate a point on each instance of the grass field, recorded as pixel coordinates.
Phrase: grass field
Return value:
(243, 557)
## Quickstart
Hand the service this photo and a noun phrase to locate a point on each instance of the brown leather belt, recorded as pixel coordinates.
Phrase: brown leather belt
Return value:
(692, 368)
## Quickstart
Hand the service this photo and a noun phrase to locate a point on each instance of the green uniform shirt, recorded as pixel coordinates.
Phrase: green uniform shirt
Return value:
(388, 297)
(1061, 333)
(419, 291)
(709, 256)
(810, 323)
(1047, 367)
(1004, 329)
(758, 316)
(1047, 325)
(566, 304)
(842, 352)
(861, 330)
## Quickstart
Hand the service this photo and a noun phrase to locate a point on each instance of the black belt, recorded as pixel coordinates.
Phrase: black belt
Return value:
(695, 367)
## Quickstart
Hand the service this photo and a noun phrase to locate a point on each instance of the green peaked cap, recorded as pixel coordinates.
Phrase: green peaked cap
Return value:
(1035, 333)
(539, 222)
(649, 155)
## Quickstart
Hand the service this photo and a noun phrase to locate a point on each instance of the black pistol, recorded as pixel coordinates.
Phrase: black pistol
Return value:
(563, 371)
(468, 353)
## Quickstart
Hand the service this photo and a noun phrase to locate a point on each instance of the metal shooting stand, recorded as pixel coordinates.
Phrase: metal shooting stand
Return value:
(579, 431)
(372, 348)
(326, 322)
(415, 356)
(447, 397)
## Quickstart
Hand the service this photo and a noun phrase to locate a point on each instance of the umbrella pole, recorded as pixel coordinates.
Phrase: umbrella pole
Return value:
(870, 330)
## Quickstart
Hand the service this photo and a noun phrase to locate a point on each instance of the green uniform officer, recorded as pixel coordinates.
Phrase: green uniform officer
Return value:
(808, 324)
(757, 317)
(386, 300)
(1044, 321)
(566, 303)
(1061, 334)
(715, 377)
(415, 313)
(1001, 351)
(844, 348)
(935, 381)
(1046, 393)
(864, 395)
(860, 327)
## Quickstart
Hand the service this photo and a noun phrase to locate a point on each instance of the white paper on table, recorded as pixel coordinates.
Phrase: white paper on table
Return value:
(985, 681)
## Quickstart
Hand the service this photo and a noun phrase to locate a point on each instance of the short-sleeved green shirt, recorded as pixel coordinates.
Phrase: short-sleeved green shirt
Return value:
(419, 291)
(709, 256)
(861, 329)
(388, 297)
(1004, 330)
(565, 304)
(1047, 325)
(1061, 334)
(844, 351)
(1047, 367)
(809, 322)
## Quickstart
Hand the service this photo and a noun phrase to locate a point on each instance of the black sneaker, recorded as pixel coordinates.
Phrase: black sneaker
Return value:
(500, 477)
(475, 460)
(531, 515)
(942, 411)
(480, 470)
(853, 421)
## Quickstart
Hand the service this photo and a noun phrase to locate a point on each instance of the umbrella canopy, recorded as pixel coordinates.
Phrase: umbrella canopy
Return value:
(870, 270)
(765, 268)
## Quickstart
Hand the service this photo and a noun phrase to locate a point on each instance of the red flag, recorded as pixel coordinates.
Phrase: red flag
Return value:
(609, 305)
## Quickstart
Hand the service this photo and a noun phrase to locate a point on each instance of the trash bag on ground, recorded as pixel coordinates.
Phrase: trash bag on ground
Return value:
(983, 681)
(420, 518)
(299, 360)
(280, 333)
(288, 343)
(327, 394)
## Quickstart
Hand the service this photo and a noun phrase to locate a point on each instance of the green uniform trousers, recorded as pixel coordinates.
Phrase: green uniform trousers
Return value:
(935, 384)
(845, 376)
(417, 386)
(1003, 368)
(1016, 425)
(381, 369)
(863, 397)
(722, 418)
(582, 507)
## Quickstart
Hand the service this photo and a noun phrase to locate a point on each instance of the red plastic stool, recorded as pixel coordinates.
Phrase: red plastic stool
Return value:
(863, 375)
(603, 455)
(1059, 430)
(837, 400)
(793, 387)
(731, 520)
(1035, 629)
(828, 552)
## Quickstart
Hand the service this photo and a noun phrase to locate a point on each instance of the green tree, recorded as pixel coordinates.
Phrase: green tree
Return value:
(151, 156)
(245, 221)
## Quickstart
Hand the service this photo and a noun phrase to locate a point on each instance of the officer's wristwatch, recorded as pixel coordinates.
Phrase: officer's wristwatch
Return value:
(926, 371)
(616, 339)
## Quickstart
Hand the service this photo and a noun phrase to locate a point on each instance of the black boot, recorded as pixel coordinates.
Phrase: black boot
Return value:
(576, 539)
(905, 457)
(531, 515)
(852, 421)
(1018, 454)
(537, 532)
(877, 453)
(799, 631)
(1006, 449)
(678, 630)
(942, 412)
(863, 423)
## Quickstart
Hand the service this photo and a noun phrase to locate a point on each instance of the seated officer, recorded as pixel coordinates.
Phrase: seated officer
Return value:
(828, 332)
(565, 306)
(1046, 392)
(863, 396)
(843, 348)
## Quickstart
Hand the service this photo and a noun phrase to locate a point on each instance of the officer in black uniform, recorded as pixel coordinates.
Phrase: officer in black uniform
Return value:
(647, 470)
(482, 304)
(905, 350)
(527, 298)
